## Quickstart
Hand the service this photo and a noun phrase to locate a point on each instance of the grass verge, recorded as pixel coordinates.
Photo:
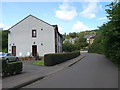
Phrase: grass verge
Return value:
(40, 63)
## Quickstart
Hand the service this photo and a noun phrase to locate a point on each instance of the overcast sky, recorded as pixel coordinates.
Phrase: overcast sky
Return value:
(69, 16)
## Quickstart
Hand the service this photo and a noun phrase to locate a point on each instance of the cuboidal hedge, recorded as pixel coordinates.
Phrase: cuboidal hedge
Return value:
(56, 58)
(9, 68)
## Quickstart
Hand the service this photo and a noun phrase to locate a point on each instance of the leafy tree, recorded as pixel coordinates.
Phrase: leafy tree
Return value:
(4, 41)
(73, 35)
(64, 36)
(81, 41)
(97, 46)
(68, 47)
(112, 41)
(109, 40)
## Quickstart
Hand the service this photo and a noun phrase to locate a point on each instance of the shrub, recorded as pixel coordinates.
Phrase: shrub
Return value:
(11, 67)
(68, 47)
(37, 57)
(53, 59)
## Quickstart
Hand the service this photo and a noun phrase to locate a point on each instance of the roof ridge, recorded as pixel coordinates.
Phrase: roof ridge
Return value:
(40, 19)
(27, 17)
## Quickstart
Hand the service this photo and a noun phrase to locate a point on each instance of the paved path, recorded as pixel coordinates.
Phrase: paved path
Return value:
(30, 68)
(32, 73)
(93, 71)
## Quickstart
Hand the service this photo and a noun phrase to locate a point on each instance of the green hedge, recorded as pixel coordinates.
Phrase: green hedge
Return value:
(11, 67)
(53, 59)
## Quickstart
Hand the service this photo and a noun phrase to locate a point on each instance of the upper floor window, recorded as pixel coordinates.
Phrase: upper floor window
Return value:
(34, 33)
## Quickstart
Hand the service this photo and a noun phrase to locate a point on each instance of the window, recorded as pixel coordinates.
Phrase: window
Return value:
(33, 33)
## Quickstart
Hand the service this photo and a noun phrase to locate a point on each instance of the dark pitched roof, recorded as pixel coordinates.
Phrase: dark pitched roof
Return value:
(27, 17)
(56, 28)
(90, 36)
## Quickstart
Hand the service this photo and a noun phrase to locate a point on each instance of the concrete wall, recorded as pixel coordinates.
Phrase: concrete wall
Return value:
(21, 37)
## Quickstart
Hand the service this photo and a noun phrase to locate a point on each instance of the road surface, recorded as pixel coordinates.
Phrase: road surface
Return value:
(93, 71)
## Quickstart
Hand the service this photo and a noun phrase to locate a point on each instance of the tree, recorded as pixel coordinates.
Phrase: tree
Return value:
(97, 46)
(109, 40)
(68, 47)
(81, 42)
(112, 41)
(73, 35)
(4, 41)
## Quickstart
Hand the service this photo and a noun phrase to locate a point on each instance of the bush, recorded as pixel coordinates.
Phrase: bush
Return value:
(11, 67)
(109, 41)
(37, 57)
(69, 47)
(98, 45)
(53, 59)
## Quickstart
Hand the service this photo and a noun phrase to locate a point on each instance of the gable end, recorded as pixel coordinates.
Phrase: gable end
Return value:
(26, 18)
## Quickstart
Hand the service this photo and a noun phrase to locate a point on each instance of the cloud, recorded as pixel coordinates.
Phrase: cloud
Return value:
(66, 12)
(79, 26)
(60, 29)
(90, 9)
(102, 18)
(4, 26)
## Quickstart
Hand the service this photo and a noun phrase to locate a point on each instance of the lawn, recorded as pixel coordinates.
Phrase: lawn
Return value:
(41, 63)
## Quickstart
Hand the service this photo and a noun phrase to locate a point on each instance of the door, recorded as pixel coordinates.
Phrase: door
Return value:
(14, 50)
(34, 50)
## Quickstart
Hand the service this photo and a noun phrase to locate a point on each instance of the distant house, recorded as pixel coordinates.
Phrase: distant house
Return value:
(70, 40)
(32, 36)
(90, 38)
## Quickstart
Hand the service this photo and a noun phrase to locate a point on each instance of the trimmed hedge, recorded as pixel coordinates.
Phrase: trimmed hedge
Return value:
(11, 67)
(53, 59)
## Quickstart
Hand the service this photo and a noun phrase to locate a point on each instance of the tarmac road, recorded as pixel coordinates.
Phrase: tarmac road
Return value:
(32, 73)
(93, 71)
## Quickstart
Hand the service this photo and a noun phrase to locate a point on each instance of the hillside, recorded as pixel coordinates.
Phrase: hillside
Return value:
(76, 41)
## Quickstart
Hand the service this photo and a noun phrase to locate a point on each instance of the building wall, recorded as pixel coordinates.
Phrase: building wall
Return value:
(59, 43)
(21, 36)
(91, 40)
(70, 40)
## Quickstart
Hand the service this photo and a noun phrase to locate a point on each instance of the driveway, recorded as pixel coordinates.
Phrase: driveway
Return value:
(30, 68)
(32, 73)
(28, 71)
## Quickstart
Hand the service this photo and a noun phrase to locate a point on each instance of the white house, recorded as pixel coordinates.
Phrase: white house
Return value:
(70, 40)
(90, 38)
(33, 35)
